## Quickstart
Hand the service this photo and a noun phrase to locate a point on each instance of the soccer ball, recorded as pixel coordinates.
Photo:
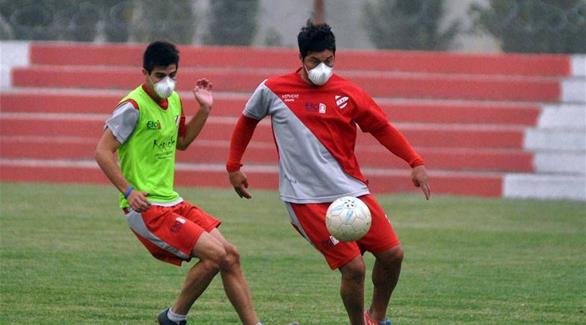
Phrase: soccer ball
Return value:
(348, 219)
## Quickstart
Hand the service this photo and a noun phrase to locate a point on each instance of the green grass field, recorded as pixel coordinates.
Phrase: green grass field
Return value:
(67, 257)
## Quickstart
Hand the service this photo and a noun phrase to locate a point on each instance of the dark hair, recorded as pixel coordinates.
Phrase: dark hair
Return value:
(315, 38)
(160, 53)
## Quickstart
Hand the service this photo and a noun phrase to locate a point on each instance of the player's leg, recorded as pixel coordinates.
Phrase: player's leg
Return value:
(172, 238)
(385, 275)
(309, 221)
(233, 279)
(352, 289)
(384, 244)
(211, 254)
(234, 282)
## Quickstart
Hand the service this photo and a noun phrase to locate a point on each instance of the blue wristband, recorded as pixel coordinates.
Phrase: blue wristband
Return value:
(128, 191)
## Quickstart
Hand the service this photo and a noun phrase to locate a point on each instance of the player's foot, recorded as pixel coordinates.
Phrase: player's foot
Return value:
(369, 321)
(164, 319)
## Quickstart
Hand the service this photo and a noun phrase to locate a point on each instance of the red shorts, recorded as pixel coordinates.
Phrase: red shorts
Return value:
(169, 233)
(310, 221)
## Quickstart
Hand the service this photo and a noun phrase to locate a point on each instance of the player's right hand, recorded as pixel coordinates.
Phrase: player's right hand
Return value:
(240, 182)
(420, 179)
(138, 201)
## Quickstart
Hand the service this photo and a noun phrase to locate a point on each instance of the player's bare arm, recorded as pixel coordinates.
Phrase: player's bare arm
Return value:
(419, 178)
(203, 94)
(106, 159)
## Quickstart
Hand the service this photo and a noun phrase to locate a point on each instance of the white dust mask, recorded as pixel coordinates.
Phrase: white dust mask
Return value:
(164, 88)
(320, 74)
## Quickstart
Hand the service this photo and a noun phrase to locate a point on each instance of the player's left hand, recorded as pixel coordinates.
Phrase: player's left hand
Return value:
(240, 182)
(203, 93)
(419, 178)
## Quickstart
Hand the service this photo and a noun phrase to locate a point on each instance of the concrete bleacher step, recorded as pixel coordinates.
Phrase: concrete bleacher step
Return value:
(545, 186)
(574, 90)
(560, 162)
(234, 57)
(559, 139)
(220, 128)
(540, 139)
(479, 120)
(228, 104)
(559, 143)
(405, 86)
(260, 177)
(216, 152)
(563, 116)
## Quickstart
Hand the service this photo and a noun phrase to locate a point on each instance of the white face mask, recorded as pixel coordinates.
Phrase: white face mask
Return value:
(320, 74)
(164, 88)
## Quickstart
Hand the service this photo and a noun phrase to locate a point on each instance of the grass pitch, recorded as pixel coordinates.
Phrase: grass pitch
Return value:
(67, 257)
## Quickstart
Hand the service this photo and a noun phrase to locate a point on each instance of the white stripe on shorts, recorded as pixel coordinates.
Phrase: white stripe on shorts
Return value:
(295, 221)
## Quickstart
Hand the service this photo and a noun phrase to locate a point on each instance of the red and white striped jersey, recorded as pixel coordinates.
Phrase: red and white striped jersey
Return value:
(315, 133)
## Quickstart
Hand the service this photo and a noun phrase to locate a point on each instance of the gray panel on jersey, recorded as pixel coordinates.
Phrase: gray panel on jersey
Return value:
(123, 121)
(308, 173)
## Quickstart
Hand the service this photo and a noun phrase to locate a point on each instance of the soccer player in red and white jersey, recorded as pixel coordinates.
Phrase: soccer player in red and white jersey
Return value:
(314, 114)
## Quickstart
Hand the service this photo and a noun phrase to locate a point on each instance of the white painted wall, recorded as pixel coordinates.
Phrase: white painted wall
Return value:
(579, 66)
(12, 54)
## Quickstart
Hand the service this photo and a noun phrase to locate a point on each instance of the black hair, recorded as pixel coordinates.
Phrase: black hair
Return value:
(160, 53)
(315, 38)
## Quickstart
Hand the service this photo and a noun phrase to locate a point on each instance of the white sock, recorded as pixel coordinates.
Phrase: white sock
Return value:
(175, 317)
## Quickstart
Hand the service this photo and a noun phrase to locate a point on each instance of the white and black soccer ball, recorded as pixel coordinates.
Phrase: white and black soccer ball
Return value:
(348, 219)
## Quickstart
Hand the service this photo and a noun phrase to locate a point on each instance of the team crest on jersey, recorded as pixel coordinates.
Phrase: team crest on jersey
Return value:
(342, 101)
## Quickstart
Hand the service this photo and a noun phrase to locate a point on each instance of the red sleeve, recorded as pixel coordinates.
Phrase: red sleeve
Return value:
(240, 138)
(182, 126)
(372, 119)
(367, 114)
(181, 122)
(396, 142)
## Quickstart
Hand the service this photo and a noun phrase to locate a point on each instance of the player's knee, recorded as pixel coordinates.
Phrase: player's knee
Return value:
(393, 257)
(354, 271)
(397, 254)
(232, 257)
(215, 258)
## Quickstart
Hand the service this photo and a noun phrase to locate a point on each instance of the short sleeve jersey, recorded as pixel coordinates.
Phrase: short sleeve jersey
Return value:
(148, 134)
(315, 133)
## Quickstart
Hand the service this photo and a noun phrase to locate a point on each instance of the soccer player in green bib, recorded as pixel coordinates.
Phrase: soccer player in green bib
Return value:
(145, 129)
